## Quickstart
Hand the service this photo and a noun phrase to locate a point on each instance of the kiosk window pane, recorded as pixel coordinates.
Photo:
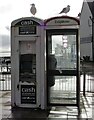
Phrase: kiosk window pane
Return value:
(63, 48)
(63, 91)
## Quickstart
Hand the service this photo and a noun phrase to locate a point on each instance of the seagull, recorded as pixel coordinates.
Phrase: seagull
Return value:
(79, 15)
(33, 9)
(65, 10)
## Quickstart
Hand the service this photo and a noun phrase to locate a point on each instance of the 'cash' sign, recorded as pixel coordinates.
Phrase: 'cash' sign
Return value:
(28, 94)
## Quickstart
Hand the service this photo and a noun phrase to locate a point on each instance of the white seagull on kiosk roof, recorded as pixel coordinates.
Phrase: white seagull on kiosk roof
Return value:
(33, 9)
(65, 10)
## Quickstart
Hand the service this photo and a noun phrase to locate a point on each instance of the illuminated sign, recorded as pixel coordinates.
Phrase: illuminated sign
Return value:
(26, 22)
(62, 21)
(27, 30)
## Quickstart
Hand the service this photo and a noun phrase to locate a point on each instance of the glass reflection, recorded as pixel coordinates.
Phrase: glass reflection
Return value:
(63, 48)
(62, 59)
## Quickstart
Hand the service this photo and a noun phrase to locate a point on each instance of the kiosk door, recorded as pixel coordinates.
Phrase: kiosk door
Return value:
(62, 66)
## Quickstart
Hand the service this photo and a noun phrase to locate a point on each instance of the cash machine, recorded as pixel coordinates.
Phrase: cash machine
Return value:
(26, 59)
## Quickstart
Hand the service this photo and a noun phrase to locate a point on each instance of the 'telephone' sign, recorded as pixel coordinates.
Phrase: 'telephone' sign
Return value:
(62, 21)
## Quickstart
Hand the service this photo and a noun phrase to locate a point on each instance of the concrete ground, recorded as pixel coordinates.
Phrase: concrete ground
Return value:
(56, 113)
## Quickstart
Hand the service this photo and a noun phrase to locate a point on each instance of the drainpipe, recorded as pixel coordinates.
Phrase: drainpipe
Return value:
(93, 38)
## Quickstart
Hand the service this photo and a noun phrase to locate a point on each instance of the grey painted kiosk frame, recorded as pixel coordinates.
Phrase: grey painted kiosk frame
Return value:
(45, 59)
(27, 63)
(63, 61)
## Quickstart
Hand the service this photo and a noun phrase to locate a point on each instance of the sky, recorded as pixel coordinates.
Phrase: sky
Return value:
(14, 9)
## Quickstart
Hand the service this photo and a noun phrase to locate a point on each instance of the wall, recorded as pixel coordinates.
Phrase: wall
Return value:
(86, 31)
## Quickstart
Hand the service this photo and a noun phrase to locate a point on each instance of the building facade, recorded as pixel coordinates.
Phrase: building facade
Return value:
(86, 30)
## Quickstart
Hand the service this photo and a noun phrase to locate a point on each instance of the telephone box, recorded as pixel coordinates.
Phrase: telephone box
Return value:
(27, 64)
(62, 61)
(45, 62)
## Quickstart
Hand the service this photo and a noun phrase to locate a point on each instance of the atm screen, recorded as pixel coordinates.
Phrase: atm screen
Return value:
(27, 63)
(27, 67)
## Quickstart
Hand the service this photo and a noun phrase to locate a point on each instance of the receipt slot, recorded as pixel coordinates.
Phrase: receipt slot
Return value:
(26, 56)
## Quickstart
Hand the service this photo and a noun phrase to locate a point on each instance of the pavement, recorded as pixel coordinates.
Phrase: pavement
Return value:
(55, 113)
